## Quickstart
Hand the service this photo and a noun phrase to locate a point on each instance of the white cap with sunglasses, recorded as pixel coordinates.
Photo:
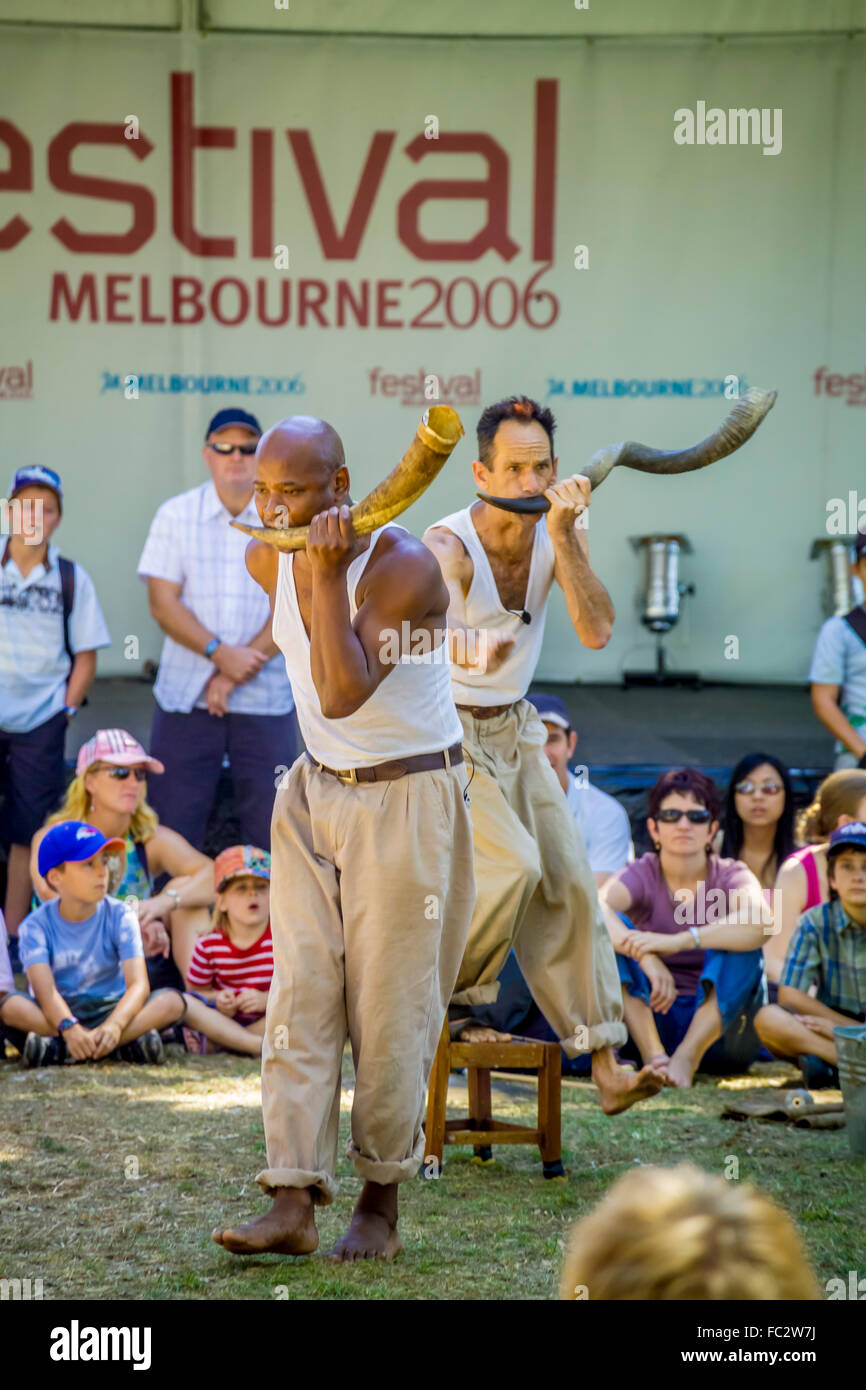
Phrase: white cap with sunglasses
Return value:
(118, 748)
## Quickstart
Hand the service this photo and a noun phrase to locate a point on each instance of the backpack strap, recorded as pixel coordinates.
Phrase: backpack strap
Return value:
(856, 620)
(67, 590)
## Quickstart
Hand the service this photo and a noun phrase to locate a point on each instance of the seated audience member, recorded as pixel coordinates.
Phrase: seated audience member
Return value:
(828, 950)
(838, 675)
(759, 817)
(84, 959)
(602, 822)
(109, 790)
(706, 916)
(802, 880)
(679, 1233)
(51, 627)
(232, 966)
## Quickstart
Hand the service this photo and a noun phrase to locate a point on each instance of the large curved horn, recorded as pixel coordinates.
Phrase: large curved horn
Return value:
(434, 442)
(740, 425)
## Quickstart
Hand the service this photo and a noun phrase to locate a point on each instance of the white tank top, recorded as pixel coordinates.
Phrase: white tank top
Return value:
(484, 609)
(411, 712)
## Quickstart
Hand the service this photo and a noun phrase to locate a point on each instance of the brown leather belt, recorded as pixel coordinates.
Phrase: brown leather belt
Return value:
(487, 711)
(398, 767)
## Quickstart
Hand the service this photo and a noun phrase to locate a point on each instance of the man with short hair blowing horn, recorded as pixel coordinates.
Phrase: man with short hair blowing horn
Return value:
(500, 557)
(371, 842)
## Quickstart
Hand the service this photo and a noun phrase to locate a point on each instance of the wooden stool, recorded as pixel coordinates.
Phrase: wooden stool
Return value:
(480, 1129)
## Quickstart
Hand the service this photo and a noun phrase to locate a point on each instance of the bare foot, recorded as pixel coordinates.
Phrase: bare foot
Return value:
(680, 1071)
(475, 1033)
(619, 1089)
(372, 1233)
(289, 1228)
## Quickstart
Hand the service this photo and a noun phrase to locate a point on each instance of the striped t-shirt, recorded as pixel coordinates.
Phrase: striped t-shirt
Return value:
(217, 963)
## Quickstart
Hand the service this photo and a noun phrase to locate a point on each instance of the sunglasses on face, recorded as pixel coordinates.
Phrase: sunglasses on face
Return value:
(120, 774)
(670, 816)
(221, 447)
(766, 788)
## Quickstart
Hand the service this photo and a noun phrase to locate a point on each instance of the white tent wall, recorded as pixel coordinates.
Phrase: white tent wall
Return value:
(705, 261)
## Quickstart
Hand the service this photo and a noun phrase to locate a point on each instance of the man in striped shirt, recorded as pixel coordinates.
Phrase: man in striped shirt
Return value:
(232, 966)
(828, 949)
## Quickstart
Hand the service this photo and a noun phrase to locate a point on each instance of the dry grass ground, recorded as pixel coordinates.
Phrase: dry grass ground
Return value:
(112, 1177)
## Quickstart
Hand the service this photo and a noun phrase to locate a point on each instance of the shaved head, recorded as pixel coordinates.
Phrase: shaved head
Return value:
(306, 441)
(300, 470)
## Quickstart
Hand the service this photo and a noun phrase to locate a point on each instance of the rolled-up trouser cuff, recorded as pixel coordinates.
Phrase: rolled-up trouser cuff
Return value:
(594, 1039)
(323, 1188)
(477, 994)
(386, 1171)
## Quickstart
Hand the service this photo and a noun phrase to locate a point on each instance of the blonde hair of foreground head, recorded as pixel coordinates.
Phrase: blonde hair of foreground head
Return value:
(681, 1233)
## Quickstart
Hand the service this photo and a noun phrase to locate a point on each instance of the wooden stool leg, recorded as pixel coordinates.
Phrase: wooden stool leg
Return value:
(437, 1099)
(549, 1112)
(480, 1106)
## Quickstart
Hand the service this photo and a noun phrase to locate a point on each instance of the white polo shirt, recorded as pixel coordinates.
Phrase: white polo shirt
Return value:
(191, 543)
(34, 665)
(603, 824)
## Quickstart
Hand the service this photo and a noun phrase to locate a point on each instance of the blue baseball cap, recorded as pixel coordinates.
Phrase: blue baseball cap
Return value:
(851, 836)
(72, 841)
(35, 474)
(232, 416)
(550, 708)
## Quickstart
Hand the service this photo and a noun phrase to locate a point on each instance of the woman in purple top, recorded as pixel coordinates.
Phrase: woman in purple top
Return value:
(706, 916)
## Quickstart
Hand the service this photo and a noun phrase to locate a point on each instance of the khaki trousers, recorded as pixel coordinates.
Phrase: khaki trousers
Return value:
(372, 889)
(536, 893)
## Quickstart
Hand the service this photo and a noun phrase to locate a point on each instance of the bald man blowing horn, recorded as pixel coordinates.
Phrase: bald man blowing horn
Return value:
(371, 841)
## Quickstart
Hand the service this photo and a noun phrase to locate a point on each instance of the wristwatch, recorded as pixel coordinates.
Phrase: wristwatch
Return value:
(211, 647)
(696, 934)
(66, 1023)
(173, 893)
(70, 710)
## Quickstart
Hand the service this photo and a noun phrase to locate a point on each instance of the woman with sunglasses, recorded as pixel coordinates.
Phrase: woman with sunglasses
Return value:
(706, 917)
(759, 817)
(109, 791)
(802, 879)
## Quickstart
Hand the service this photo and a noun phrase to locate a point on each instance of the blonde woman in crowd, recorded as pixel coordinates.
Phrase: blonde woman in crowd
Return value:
(109, 791)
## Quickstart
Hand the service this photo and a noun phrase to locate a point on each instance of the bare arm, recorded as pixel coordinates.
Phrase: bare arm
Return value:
(80, 677)
(191, 871)
(350, 660)
(825, 703)
(614, 897)
(177, 621)
(589, 604)
(471, 648)
(790, 890)
(805, 1004)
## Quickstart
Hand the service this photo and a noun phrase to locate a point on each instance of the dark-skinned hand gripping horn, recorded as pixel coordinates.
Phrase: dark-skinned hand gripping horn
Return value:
(740, 425)
(434, 442)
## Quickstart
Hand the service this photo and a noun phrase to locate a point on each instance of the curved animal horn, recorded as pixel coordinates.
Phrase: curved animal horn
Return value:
(434, 442)
(739, 426)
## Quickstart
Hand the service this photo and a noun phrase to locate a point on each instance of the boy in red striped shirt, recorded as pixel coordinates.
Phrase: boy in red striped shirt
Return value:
(232, 965)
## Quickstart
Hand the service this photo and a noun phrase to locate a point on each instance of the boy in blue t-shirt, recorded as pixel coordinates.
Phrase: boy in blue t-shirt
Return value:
(85, 963)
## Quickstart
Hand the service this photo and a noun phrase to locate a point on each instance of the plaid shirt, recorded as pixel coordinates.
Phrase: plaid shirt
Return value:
(191, 543)
(829, 949)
